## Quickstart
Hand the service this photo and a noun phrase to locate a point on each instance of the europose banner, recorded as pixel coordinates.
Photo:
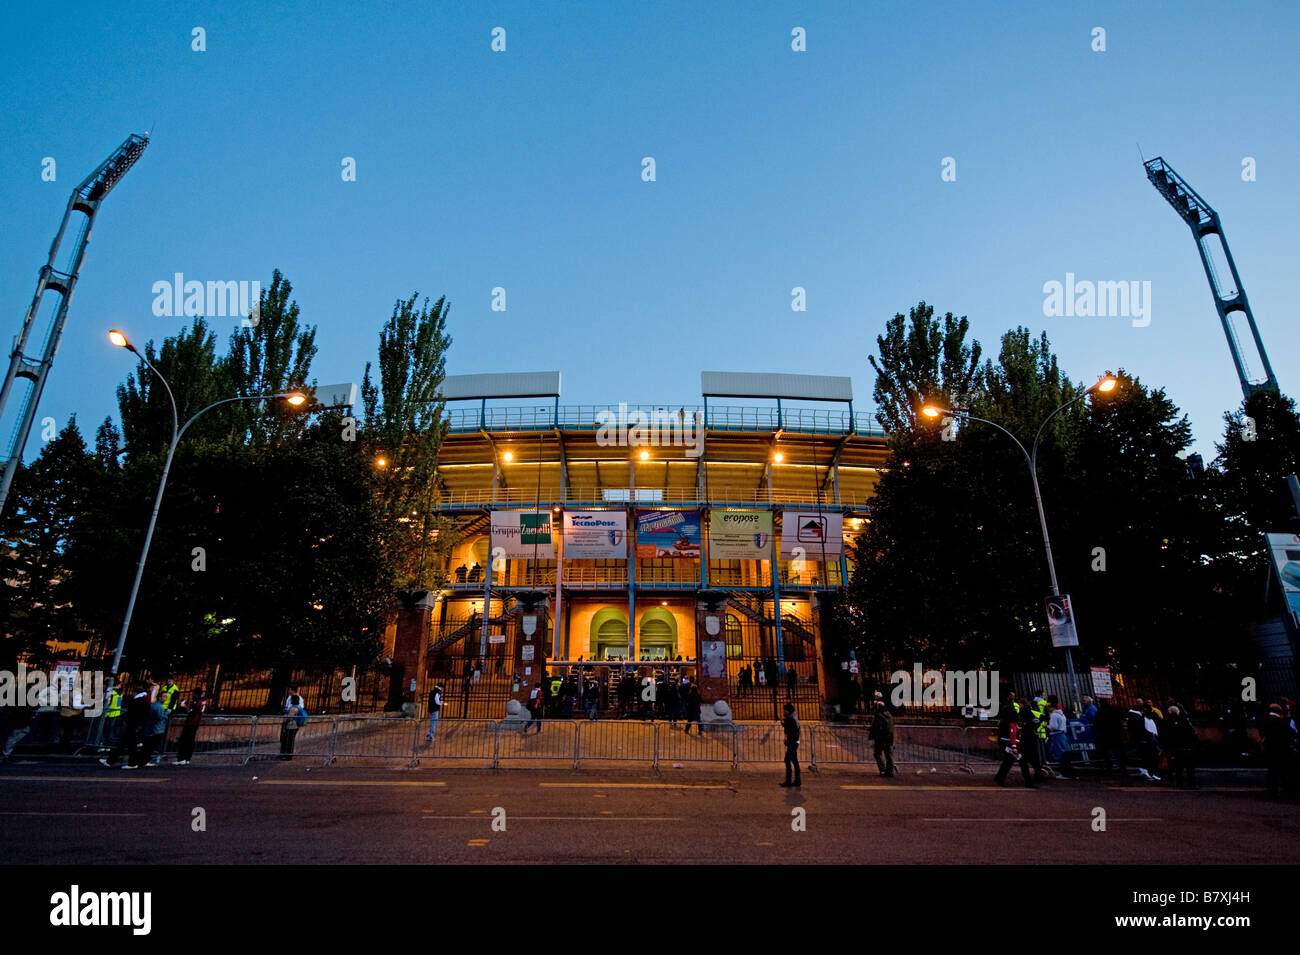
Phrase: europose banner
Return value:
(807, 535)
(740, 535)
(595, 535)
(667, 534)
(522, 534)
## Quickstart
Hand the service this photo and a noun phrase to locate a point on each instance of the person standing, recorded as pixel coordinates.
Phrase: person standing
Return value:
(435, 707)
(1140, 737)
(1180, 743)
(295, 716)
(190, 732)
(790, 723)
(882, 738)
(1009, 738)
(1058, 738)
(791, 681)
(1279, 748)
(169, 695)
(535, 706)
(113, 717)
(693, 707)
(1108, 737)
(137, 711)
(153, 732)
(591, 698)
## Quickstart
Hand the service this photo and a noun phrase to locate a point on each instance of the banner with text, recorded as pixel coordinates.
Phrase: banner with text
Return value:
(807, 535)
(522, 534)
(740, 535)
(595, 535)
(668, 534)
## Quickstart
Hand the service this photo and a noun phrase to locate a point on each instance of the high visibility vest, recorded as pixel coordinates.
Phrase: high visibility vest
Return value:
(1040, 715)
(167, 696)
(114, 708)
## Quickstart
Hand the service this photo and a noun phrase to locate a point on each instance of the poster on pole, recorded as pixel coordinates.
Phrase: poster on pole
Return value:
(1101, 685)
(1285, 549)
(522, 534)
(740, 535)
(1060, 621)
(669, 533)
(807, 535)
(595, 535)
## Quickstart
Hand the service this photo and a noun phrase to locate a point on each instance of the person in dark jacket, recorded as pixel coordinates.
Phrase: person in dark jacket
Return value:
(137, 712)
(1279, 748)
(1178, 739)
(882, 738)
(791, 726)
(1009, 739)
(153, 733)
(185, 748)
(1108, 737)
(693, 708)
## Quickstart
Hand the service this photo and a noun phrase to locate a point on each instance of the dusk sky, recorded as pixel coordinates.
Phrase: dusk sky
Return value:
(774, 169)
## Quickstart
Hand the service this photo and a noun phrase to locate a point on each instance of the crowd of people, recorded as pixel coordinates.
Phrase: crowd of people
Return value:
(667, 693)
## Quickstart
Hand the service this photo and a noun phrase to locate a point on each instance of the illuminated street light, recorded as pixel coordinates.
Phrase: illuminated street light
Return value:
(1105, 384)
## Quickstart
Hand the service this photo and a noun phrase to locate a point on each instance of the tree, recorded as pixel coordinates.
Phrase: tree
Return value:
(921, 362)
(404, 425)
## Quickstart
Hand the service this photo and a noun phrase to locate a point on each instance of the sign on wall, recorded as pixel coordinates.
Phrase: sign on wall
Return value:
(1060, 621)
(595, 535)
(808, 535)
(522, 534)
(740, 535)
(668, 534)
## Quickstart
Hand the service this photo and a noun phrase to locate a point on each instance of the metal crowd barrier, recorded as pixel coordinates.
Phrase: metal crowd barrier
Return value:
(496, 744)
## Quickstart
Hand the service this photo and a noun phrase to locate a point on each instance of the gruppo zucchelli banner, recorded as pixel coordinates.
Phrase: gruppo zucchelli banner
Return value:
(807, 535)
(595, 535)
(522, 534)
(668, 534)
(740, 535)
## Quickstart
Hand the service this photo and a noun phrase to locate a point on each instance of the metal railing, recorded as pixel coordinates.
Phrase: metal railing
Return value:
(519, 741)
(717, 495)
(719, 418)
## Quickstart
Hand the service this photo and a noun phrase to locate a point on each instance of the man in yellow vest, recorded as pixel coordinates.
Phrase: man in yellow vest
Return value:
(113, 717)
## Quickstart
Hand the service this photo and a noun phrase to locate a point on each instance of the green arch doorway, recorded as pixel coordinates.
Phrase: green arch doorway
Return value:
(657, 638)
(609, 634)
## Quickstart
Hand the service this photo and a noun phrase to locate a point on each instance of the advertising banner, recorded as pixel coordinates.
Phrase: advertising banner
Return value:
(522, 534)
(1060, 621)
(595, 535)
(740, 535)
(1285, 549)
(668, 534)
(1101, 685)
(807, 535)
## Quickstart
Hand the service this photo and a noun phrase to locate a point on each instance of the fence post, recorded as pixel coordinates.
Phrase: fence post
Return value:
(415, 744)
(252, 739)
(654, 758)
(334, 741)
(735, 747)
(812, 749)
(577, 743)
(496, 745)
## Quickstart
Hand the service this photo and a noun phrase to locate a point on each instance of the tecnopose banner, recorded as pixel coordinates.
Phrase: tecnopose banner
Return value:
(522, 534)
(595, 535)
(740, 535)
(807, 535)
(668, 534)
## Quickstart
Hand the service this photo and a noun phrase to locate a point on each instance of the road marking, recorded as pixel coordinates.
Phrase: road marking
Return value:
(81, 779)
(942, 789)
(16, 812)
(1023, 819)
(477, 842)
(429, 815)
(762, 843)
(633, 786)
(345, 782)
(1166, 789)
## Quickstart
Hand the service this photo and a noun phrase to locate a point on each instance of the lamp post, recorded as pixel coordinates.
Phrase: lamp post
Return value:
(1104, 385)
(178, 429)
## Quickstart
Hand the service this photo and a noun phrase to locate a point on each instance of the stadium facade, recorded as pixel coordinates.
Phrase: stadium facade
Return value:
(701, 539)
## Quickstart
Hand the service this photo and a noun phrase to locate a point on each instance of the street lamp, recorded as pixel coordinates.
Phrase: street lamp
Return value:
(1106, 384)
(119, 339)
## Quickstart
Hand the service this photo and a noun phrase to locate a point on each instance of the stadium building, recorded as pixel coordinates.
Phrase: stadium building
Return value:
(697, 540)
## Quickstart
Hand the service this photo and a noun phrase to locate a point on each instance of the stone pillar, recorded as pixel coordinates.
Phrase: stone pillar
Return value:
(530, 660)
(711, 644)
(410, 646)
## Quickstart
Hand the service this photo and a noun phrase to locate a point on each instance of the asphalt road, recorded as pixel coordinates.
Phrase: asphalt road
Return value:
(288, 813)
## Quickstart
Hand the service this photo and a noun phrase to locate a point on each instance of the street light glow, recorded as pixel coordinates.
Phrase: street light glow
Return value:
(508, 456)
(930, 411)
(296, 398)
(381, 462)
(118, 339)
(645, 455)
(778, 457)
(1107, 384)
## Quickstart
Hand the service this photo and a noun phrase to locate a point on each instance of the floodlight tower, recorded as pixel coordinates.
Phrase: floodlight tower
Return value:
(1229, 296)
(85, 200)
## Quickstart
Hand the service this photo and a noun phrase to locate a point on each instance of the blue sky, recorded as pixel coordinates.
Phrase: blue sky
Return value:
(775, 169)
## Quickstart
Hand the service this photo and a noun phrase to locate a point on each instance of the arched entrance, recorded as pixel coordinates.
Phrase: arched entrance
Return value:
(657, 639)
(609, 634)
